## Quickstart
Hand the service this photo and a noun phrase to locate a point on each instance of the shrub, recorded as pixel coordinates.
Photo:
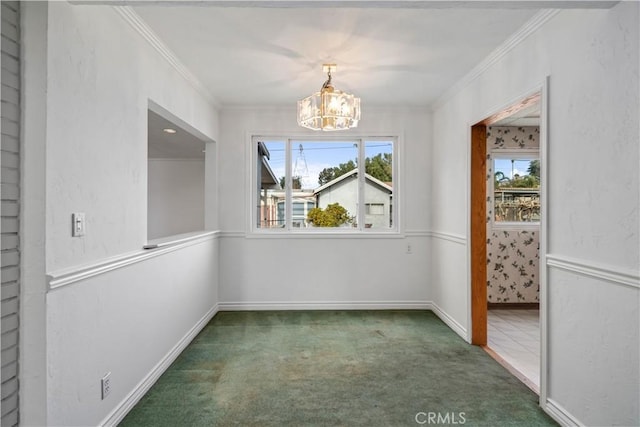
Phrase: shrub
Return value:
(333, 215)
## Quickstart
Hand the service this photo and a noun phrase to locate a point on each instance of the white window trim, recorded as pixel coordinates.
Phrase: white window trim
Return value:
(508, 154)
(289, 231)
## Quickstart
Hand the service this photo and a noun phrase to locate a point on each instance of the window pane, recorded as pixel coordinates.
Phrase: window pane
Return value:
(270, 173)
(324, 184)
(516, 190)
(378, 187)
(324, 174)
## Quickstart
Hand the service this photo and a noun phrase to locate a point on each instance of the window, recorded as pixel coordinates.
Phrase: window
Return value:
(375, 208)
(315, 184)
(516, 189)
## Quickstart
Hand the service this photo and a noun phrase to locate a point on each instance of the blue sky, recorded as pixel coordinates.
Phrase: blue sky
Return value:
(504, 165)
(318, 155)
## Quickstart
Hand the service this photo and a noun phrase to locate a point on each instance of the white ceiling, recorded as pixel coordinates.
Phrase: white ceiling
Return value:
(386, 56)
(179, 145)
(389, 53)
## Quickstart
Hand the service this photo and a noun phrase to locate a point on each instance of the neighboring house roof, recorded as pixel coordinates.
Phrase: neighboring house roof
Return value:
(368, 177)
(267, 178)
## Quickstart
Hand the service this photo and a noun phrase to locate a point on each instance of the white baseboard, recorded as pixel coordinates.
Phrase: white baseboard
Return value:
(348, 305)
(324, 305)
(123, 408)
(450, 322)
(561, 415)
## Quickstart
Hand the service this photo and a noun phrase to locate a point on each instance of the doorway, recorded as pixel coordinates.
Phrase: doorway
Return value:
(505, 213)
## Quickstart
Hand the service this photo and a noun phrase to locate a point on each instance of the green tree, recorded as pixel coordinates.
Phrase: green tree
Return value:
(296, 182)
(380, 166)
(534, 168)
(329, 174)
(501, 180)
(333, 215)
(527, 181)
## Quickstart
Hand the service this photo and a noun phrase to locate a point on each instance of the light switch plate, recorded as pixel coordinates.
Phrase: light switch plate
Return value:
(77, 224)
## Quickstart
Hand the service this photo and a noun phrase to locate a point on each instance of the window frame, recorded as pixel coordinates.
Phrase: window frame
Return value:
(513, 154)
(289, 229)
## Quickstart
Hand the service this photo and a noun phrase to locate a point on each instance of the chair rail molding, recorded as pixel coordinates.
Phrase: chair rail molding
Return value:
(616, 275)
(72, 275)
(450, 237)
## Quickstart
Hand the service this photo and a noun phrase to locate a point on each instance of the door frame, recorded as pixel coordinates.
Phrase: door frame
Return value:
(478, 233)
(477, 213)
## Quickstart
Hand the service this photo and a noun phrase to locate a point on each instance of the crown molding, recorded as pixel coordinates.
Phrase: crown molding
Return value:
(527, 29)
(141, 27)
(384, 4)
(399, 109)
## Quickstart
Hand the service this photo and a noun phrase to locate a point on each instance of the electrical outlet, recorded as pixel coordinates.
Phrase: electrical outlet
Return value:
(409, 249)
(106, 385)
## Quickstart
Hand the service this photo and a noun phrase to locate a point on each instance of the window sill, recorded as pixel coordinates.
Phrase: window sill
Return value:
(329, 234)
(177, 239)
(516, 226)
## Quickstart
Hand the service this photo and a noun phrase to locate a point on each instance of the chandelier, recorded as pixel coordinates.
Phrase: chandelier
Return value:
(329, 109)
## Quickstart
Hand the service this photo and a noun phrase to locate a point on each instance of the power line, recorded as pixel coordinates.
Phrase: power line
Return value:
(335, 148)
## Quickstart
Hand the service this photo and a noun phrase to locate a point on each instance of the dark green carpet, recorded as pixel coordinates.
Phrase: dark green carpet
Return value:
(334, 368)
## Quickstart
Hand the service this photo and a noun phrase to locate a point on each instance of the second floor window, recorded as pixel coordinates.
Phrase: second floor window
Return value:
(341, 184)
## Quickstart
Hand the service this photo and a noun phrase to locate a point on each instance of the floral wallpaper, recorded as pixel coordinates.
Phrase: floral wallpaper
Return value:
(510, 137)
(513, 254)
(512, 266)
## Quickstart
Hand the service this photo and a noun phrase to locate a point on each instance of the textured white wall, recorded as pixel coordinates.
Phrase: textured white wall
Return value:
(175, 198)
(99, 76)
(592, 60)
(314, 269)
(123, 322)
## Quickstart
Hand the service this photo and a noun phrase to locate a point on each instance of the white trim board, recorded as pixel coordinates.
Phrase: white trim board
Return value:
(348, 305)
(449, 237)
(616, 275)
(127, 404)
(321, 234)
(537, 21)
(141, 27)
(67, 277)
(417, 233)
(355, 235)
(323, 305)
(451, 322)
(383, 4)
(560, 414)
(123, 408)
